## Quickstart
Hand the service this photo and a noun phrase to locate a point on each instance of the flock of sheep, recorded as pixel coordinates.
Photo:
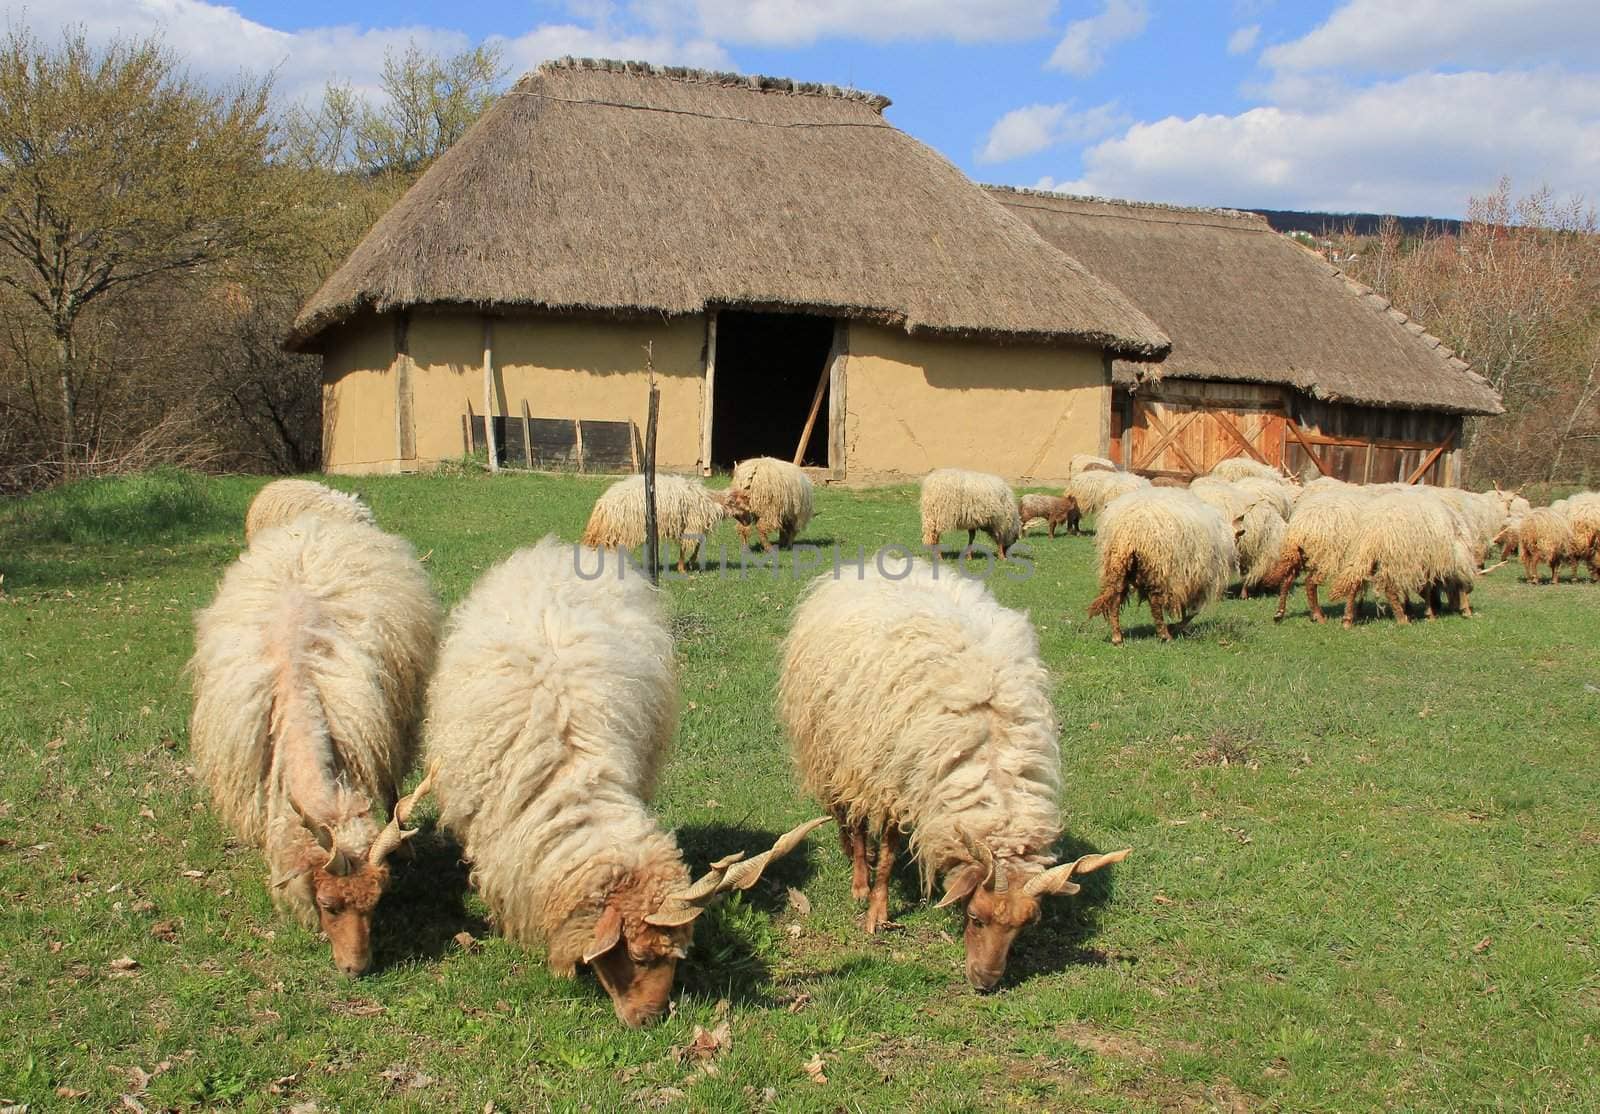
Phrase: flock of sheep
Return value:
(544, 706)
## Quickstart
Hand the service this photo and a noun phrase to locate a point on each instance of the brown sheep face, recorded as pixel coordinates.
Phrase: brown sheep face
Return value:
(636, 966)
(345, 905)
(993, 922)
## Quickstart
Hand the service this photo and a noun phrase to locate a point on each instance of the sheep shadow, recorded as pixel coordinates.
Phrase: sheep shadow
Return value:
(425, 906)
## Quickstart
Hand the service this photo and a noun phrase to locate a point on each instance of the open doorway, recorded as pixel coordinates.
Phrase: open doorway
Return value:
(768, 368)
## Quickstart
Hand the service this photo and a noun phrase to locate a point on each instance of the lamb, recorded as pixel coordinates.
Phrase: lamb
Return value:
(955, 499)
(308, 673)
(920, 705)
(1094, 490)
(1176, 551)
(549, 716)
(1545, 536)
(1240, 467)
(1407, 542)
(1051, 509)
(1315, 541)
(281, 501)
(774, 496)
(685, 510)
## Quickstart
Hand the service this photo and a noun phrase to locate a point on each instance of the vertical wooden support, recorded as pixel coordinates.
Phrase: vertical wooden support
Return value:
(708, 393)
(527, 437)
(811, 415)
(577, 443)
(466, 431)
(488, 393)
(1103, 437)
(838, 415)
(652, 539)
(405, 424)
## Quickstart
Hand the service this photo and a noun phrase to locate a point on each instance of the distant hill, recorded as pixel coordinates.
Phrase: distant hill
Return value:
(1364, 224)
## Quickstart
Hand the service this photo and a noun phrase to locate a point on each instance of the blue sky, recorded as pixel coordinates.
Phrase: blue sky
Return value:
(1407, 106)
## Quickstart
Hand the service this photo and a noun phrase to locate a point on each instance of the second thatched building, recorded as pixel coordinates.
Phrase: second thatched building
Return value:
(806, 279)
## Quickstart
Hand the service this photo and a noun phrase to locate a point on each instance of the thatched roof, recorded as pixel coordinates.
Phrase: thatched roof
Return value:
(628, 188)
(1243, 303)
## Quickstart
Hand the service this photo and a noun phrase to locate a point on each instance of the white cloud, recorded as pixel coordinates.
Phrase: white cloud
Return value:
(1082, 50)
(1243, 41)
(1422, 144)
(524, 52)
(787, 23)
(1024, 131)
(1383, 36)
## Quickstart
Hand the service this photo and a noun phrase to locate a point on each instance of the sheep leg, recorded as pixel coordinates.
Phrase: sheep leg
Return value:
(1161, 622)
(1398, 605)
(1530, 566)
(1311, 600)
(878, 904)
(1350, 610)
(744, 534)
(972, 540)
(1431, 603)
(1283, 593)
(1461, 600)
(853, 838)
(1555, 571)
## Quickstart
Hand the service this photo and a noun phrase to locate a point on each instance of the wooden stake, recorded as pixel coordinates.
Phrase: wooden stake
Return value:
(652, 543)
(527, 437)
(816, 408)
(488, 393)
(708, 394)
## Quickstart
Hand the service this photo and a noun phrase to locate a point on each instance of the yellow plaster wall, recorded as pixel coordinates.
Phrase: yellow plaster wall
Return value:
(358, 399)
(914, 403)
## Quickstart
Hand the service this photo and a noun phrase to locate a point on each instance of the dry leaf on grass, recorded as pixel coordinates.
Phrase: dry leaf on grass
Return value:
(69, 1093)
(406, 1079)
(147, 813)
(133, 1104)
(124, 963)
(165, 931)
(799, 902)
(303, 1108)
(705, 1046)
(356, 1007)
(800, 1002)
(1482, 945)
(1162, 899)
(282, 1083)
(194, 874)
(813, 1068)
(466, 941)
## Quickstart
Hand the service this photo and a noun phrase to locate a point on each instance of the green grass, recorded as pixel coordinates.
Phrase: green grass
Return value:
(1364, 875)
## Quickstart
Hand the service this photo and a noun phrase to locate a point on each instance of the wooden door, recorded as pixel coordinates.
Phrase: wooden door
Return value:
(1185, 438)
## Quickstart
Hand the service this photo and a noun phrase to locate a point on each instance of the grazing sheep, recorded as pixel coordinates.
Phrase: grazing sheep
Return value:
(1050, 509)
(1095, 490)
(955, 499)
(1482, 512)
(1333, 483)
(1259, 545)
(1282, 496)
(549, 716)
(1407, 543)
(1240, 467)
(1088, 462)
(308, 673)
(685, 511)
(1231, 502)
(920, 705)
(774, 496)
(1544, 536)
(1513, 502)
(1175, 550)
(1315, 541)
(282, 501)
(1582, 512)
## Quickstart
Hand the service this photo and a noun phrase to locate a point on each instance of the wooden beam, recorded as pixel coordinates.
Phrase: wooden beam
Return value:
(488, 392)
(816, 408)
(708, 393)
(838, 416)
(405, 425)
(1222, 419)
(577, 442)
(527, 437)
(1294, 428)
(466, 431)
(1431, 457)
(1169, 437)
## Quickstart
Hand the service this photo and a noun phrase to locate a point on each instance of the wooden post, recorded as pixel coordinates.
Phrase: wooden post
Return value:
(488, 393)
(838, 416)
(527, 437)
(708, 393)
(405, 425)
(652, 541)
(466, 431)
(811, 418)
(577, 442)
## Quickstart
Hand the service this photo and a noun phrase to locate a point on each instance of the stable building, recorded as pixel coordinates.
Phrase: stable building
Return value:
(803, 279)
(1276, 354)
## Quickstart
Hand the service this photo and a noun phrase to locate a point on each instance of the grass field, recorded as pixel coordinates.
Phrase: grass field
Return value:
(1364, 875)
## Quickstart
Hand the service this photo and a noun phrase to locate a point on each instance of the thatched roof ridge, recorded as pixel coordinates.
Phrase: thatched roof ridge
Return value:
(625, 188)
(1243, 303)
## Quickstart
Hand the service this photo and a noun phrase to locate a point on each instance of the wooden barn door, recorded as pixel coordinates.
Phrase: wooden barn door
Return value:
(1185, 437)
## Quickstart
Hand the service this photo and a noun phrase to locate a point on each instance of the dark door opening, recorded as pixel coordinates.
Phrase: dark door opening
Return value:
(768, 366)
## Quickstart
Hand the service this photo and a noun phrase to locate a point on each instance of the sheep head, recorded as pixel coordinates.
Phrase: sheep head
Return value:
(346, 886)
(635, 957)
(1000, 903)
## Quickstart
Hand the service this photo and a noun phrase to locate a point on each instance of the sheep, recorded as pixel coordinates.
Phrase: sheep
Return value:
(1282, 496)
(283, 500)
(1088, 462)
(919, 704)
(1260, 542)
(955, 499)
(1175, 550)
(549, 715)
(1239, 467)
(1094, 490)
(308, 672)
(1482, 512)
(773, 495)
(1583, 515)
(1407, 542)
(1051, 509)
(1545, 536)
(1515, 505)
(1315, 541)
(685, 511)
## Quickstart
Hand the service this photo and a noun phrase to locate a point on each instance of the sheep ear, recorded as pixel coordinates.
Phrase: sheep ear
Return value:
(607, 934)
(961, 886)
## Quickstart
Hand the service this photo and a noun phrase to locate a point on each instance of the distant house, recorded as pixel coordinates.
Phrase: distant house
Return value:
(792, 260)
(1275, 353)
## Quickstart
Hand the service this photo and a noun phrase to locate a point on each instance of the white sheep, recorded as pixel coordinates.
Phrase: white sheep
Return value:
(1316, 540)
(1240, 467)
(956, 499)
(282, 501)
(308, 672)
(772, 495)
(1407, 542)
(1095, 489)
(918, 704)
(1175, 550)
(685, 511)
(549, 716)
